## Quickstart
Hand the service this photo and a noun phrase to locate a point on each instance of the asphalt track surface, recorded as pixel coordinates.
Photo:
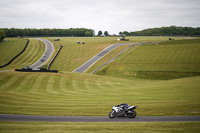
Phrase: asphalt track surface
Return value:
(97, 57)
(46, 55)
(32, 118)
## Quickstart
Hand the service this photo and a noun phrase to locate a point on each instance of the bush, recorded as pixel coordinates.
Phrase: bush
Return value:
(2, 35)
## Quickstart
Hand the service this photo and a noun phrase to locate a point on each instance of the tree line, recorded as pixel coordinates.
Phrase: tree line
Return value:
(165, 31)
(100, 33)
(12, 32)
(2, 35)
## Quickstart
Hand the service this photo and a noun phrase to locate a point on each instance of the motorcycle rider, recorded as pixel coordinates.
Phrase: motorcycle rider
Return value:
(125, 106)
(123, 110)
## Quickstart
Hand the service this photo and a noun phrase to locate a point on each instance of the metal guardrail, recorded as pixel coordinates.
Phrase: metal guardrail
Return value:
(16, 55)
(54, 57)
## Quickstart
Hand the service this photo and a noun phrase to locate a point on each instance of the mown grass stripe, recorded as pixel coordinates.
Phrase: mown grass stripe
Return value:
(10, 49)
(32, 55)
(18, 81)
(37, 99)
(50, 85)
(4, 79)
(38, 82)
(25, 84)
(33, 52)
(6, 86)
(63, 87)
(57, 85)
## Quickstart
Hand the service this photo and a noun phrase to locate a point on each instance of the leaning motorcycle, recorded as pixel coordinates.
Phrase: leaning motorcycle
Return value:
(123, 110)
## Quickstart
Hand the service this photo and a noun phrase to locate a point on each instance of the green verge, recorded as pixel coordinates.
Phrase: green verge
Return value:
(10, 49)
(33, 53)
(105, 59)
(168, 60)
(73, 55)
(67, 127)
(74, 94)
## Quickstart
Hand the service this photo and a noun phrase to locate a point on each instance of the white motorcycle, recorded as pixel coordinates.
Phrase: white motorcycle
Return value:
(123, 110)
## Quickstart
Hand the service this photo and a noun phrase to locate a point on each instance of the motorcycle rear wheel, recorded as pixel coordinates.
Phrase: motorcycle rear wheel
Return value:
(132, 115)
(112, 114)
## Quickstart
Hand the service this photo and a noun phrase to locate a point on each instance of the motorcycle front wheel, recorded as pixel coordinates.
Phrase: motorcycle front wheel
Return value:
(132, 115)
(112, 114)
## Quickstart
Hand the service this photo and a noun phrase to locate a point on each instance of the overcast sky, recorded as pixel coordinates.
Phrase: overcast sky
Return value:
(111, 15)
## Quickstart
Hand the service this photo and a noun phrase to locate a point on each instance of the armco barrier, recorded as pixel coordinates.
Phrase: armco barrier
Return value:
(36, 70)
(54, 57)
(16, 55)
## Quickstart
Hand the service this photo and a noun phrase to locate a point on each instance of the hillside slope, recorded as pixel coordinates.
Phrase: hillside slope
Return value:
(10, 49)
(73, 55)
(172, 59)
(74, 94)
(32, 54)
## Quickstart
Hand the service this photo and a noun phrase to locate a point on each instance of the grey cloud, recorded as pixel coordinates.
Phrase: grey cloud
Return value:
(111, 15)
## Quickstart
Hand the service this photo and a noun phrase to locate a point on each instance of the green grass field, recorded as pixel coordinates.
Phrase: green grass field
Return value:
(144, 127)
(64, 94)
(127, 79)
(12, 47)
(168, 60)
(32, 54)
(73, 55)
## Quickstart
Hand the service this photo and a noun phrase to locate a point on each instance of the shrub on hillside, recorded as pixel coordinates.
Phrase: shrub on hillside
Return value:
(2, 35)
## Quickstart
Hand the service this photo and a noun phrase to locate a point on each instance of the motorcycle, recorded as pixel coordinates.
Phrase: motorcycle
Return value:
(123, 110)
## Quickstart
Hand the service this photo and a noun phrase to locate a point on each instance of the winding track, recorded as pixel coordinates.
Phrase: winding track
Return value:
(46, 55)
(32, 118)
(97, 57)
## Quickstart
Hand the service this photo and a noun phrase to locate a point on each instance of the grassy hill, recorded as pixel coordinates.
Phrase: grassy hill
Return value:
(168, 60)
(127, 79)
(86, 94)
(11, 48)
(73, 55)
(64, 93)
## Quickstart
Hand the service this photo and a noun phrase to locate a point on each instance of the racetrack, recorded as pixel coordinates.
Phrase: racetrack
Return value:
(46, 56)
(97, 57)
(32, 118)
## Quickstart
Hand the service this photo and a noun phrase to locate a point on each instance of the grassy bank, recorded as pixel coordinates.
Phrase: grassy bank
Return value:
(73, 55)
(10, 49)
(154, 127)
(168, 60)
(33, 53)
(93, 95)
(128, 79)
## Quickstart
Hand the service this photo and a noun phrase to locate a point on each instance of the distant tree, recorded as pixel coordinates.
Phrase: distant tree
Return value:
(120, 33)
(106, 33)
(168, 31)
(88, 33)
(100, 33)
(48, 32)
(126, 33)
(2, 35)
